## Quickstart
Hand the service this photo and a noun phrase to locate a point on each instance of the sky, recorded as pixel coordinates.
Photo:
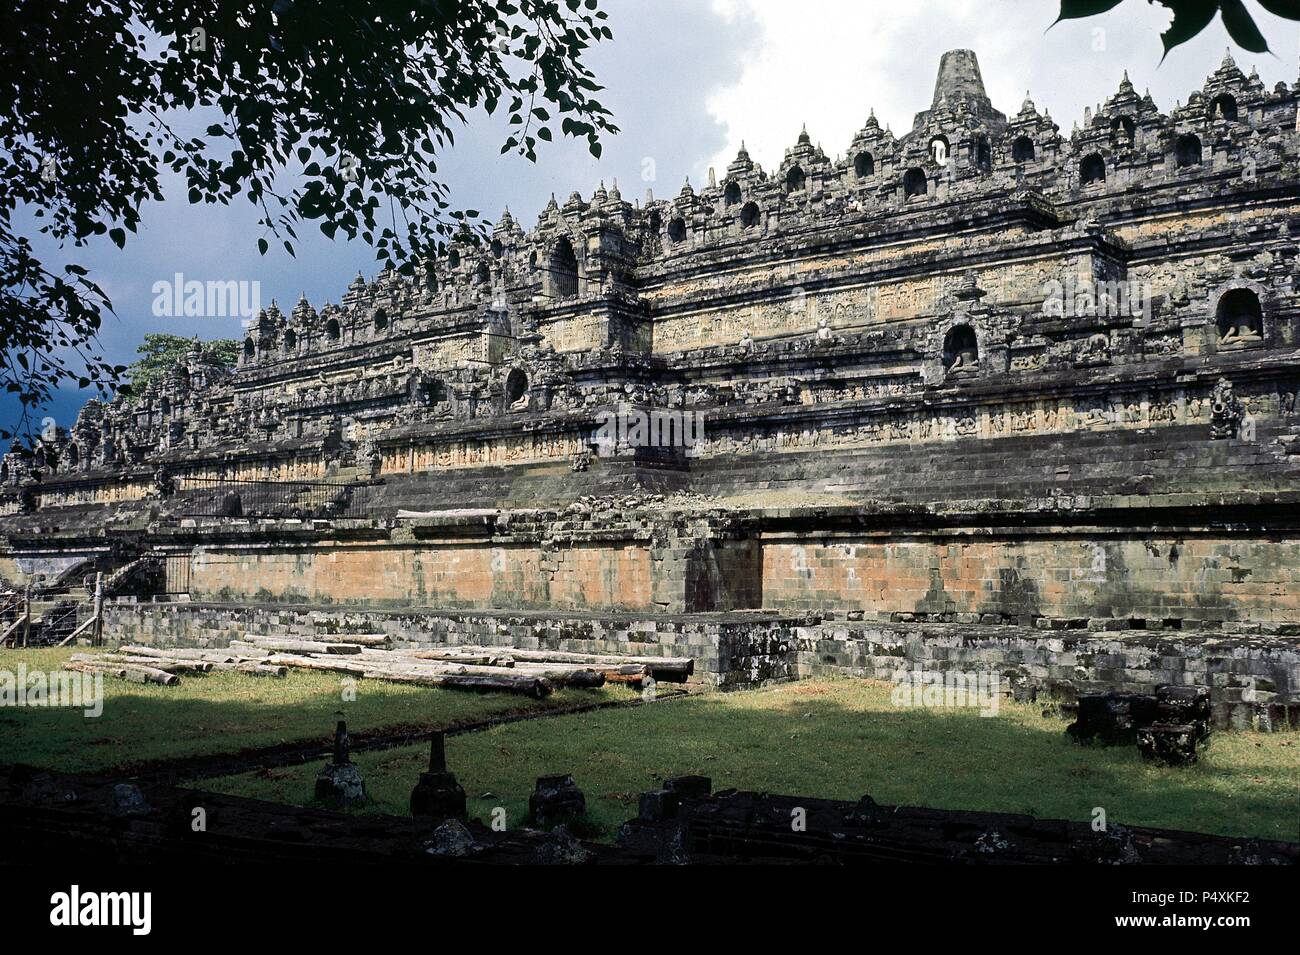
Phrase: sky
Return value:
(688, 81)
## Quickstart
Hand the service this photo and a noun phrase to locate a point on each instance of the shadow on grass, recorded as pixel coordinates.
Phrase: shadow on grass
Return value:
(230, 713)
(840, 739)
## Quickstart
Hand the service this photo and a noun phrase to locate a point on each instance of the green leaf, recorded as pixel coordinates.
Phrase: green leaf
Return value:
(262, 246)
(1241, 27)
(1076, 9)
(1286, 9)
(1190, 18)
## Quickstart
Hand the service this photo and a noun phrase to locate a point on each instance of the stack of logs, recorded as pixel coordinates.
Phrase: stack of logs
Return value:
(148, 665)
(533, 673)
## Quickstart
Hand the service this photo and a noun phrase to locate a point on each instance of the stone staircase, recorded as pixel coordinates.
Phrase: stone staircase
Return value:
(59, 608)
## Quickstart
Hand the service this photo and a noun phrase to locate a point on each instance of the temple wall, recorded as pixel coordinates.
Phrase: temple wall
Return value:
(575, 332)
(476, 452)
(301, 467)
(1164, 580)
(1052, 578)
(1123, 410)
(450, 575)
(105, 492)
(450, 351)
(1253, 681)
(1155, 229)
(1100, 495)
(728, 652)
(861, 304)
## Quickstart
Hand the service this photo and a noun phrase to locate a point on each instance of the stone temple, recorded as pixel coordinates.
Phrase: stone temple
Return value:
(980, 395)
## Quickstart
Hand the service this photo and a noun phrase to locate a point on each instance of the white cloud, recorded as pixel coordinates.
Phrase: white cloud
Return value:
(827, 63)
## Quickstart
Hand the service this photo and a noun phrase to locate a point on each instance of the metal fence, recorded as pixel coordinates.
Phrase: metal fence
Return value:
(56, 624)
(303, 500)
(177, 574)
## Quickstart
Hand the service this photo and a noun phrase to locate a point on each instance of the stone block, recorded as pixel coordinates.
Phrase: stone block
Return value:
(1173, 744)
(556, 799)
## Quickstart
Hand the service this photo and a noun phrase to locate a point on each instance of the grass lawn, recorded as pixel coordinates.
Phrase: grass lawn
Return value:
(840, 739)
(230, 712)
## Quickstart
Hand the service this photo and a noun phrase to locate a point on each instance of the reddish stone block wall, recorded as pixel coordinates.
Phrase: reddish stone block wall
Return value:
(608, 576)
(1164, 581)
(1195, 579)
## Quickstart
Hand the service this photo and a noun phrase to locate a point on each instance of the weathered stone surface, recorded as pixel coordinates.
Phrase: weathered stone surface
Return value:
(452, 839)
(744, 650)
(1170, 743)
(339, 784)
(980, 377)
(555, 800)
(1189, 705)
(438, 795)
(561, 847)
(1113, 718)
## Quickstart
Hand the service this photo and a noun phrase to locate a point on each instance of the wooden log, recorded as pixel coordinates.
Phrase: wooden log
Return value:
(178, 653)
(585, 677)
(633, 674)
(452, 654)
(135, 674)
(171, 666)
(393, 665)
(335, 665)
(425, 673)
(97, 612)
(293, 645)
(262, 669)
(139, 650)
(360, 639)
(236, 656)
(670, 669)
(83, 666)
(248, 650)
(98, 659)
(157, 663)
(8, 635)
(140, 674)
(560, 674)
(506, 681)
